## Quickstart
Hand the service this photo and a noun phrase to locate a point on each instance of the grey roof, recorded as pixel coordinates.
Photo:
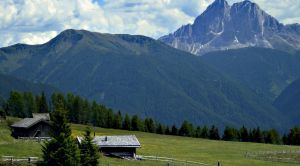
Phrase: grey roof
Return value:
(115, 141)
(28, 122)
(45, 116)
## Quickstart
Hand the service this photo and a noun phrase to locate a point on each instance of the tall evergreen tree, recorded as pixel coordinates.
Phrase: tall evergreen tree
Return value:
(89, 154)
(230, 134)
(272, 137)
(15, 105)
(42, 104)
(61, 150)
(174, 130)
(258, 135)
(204, 132)
(29, 104)
(160, 129)
(244, 136)
(135, 123)
(118, 120)
(214, 133)
(149, 125)
(293, 137)
(109, 118)
(126, 123)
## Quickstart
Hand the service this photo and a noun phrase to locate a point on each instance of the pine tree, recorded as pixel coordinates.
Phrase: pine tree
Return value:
(89, 154)
(149, 125)
(258, 135)
(204, 132)
(230, 134)
(174, 130)
(272, 137)
(198, 132)
(293, 137)
(214, 133)
(186, 129)
(244, 136)
(118, 120)
(29, 104)
(61, 150)
(127, 123)
(135, 123)
(42, 104)
(160, 129)
(167, 130)
(15, 105)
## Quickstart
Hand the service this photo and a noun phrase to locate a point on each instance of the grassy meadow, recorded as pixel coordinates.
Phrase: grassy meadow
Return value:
(181, 148)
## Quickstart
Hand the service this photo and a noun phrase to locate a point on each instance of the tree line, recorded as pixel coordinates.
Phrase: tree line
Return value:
(82, 111)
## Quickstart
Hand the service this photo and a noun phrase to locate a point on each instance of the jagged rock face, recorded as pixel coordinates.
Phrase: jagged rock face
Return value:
(244, 24)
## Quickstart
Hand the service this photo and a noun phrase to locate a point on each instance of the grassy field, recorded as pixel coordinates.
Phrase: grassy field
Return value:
(191, 149)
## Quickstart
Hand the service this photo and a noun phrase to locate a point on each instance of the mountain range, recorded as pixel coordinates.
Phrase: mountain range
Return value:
(223, 27)
(247, 74)
(140, 75)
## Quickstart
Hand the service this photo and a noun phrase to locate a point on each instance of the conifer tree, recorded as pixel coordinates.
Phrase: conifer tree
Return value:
(15, 105)
(160, 129)
(42, 104)
(118, 120)
(89, 154)
(230, 134)
(127, 123)
(135, 123)
(174, 130)
(61, 150)
(204, 132)
(214, 133)
(149, 125)
(293, 137)
(244, 136)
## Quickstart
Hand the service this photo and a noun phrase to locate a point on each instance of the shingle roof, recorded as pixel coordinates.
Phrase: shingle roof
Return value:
(45, 116)
(115, 141)
(26, 122)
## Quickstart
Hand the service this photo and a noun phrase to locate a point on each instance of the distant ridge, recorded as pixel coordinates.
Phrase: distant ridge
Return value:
(223, 27)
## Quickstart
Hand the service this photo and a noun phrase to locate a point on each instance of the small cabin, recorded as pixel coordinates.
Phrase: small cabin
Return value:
(123, 146)
(36, 127)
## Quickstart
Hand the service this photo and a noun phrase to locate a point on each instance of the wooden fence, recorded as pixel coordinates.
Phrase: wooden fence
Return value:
(170, 161)
(287, 156)
(13, 159)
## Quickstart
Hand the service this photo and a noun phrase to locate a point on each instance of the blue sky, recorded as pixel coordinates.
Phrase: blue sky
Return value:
(37, 21)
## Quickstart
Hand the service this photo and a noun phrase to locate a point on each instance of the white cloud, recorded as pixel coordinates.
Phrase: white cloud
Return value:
(37, 21)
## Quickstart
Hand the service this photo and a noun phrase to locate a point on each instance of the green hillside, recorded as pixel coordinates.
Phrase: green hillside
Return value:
(288, 102)
(10, 83)
(268, 72)
(139, 75)
(181, 148)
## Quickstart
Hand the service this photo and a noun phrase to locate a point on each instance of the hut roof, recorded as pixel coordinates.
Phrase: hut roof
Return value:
(115, 141)
(45, 116)
(28, 122)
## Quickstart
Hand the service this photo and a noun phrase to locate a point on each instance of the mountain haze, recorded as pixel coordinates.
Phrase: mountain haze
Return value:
(266, 71)
(288, 102)
(10, 83)
(244, 24)
(139, 75)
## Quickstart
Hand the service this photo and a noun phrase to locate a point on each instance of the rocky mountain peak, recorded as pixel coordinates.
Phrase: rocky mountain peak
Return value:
(244, 24)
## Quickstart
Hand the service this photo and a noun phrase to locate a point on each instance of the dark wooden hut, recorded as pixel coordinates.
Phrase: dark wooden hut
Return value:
(36, 127)
(123, 146)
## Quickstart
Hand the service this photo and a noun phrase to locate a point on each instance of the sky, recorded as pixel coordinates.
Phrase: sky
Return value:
(38, 21)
